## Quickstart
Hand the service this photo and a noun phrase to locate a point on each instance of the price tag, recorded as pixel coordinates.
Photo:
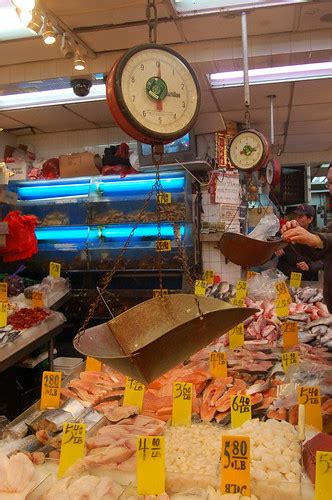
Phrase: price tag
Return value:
(240, 410)
(3, 314)
(72, 446)
(182, 403)
(200, 286)
(323, 481)
(163, 246)
(295, 280)
(218, 364)
(238, 302)
(159, 293)
(235, 465)
(50, 391)
(209, 277)
(3, 292)
(250, 274)
(150, 469)
(134, 393)
(236, 336)
(55, 269)
(283, 298)
(282, 308)
(92, 365)
(288, 359)
(164, 198)
(290, 334)
(241, 290)
(309, 396)
(37, 299)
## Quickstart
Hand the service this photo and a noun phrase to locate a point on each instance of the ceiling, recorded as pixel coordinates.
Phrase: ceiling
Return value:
(290, 34)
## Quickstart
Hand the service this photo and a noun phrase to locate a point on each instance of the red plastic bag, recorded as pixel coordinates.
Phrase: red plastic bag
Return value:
(21, 242)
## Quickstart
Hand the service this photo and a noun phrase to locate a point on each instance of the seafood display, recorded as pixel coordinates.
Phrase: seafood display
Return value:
(16, 475)
(307, 295)
(55, 219)
(173, 212)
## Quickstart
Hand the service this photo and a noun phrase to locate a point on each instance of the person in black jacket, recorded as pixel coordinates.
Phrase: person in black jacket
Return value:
(298, 257)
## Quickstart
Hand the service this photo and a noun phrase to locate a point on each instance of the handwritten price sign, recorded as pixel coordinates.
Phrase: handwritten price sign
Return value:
(50, 392)
(134, 393)
(323, 482)
(235, 465)
(72, 446)
(182, 403)
(240, 410)
(150, 452)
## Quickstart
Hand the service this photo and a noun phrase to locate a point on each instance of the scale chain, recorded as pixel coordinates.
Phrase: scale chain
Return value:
(152, 20)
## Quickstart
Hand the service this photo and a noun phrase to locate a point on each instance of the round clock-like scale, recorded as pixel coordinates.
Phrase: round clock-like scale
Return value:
(249, 150)
(273, 172)
(153, 94)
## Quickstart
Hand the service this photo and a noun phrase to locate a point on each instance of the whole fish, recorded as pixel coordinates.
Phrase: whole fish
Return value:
(321, 321)
(28, 443)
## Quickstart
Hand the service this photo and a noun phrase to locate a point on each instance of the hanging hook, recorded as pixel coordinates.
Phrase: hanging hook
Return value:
(247, 118)
(245, 59)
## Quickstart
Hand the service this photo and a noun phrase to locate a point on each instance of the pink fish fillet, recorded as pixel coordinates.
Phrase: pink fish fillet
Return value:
(115, 454)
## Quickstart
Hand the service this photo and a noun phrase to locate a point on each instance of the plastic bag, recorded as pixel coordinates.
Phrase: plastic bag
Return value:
(21, 242)
(262, 286)
(267, 227)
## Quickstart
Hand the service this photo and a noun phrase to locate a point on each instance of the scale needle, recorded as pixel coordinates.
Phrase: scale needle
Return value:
(159, 102)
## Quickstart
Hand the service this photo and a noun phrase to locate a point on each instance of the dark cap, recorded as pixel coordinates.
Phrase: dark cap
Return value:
(305, 209)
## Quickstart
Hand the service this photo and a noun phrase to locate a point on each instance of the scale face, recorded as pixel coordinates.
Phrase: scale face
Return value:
(248, 150)
(153, 94)
(273, 172)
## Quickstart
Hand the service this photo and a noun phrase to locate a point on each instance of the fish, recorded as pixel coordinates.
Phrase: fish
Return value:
(321, 321)
(259, 387)
(27, 443)
(118, 413)
(298, 317)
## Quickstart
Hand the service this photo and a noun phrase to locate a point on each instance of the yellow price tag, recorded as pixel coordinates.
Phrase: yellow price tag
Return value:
(309, 396)
(3, 314)
(50, 391)
(164, 198)
(282, 308)
(55, 269)
(134, 393)
(3, 292)
(150, 468)
(238, 302)
(218, 364)
(250, 274)
(240, 410)
(72, 446)
(37, 299)
(283, 292)
(200, 287)
(241, 290)
(235, 465)
(290, 334)
(182, 403)
(323, 480)
(236, 336)
(159, 293)
(288, 359)
(163, 246)
(295, 280)
(209, 277)
(92, 365)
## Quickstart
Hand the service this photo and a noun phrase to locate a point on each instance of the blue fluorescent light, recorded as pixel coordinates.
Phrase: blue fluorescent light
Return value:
(40, 192)
(123, 231)
(144, 185)
(64, 234)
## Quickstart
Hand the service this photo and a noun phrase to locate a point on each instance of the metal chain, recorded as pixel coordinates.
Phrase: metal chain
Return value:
(152, 20)
(158, 202)
(247, 118)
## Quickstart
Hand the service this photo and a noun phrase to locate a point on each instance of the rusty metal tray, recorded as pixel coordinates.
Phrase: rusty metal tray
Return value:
(248, 252)
(156, 335)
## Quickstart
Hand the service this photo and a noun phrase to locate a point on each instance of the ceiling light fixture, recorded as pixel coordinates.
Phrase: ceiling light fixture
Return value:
(49, 34)
(24, 16)
(79, 62)
(277, 74)
(194, 7)
(66, 47)
(24, 4)
(36, 22)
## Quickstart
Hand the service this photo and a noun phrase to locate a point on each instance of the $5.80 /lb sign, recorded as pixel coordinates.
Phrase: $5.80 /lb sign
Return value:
(323, 480)
(235, 465)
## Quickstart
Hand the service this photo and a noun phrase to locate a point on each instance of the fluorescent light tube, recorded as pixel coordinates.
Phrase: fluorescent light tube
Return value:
(194, 7)
(278, 74)
(50, 98)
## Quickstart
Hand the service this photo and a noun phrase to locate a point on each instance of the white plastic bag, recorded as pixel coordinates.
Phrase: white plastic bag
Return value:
(267, 227)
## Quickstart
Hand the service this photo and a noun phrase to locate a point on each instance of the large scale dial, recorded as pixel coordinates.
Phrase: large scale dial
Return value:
(153, 94)
(248, 150)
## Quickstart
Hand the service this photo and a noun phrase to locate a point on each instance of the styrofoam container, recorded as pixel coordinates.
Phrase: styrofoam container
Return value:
(67, 365)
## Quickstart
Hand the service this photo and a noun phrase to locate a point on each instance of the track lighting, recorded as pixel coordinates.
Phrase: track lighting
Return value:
(49, 34)
(36, 22)
(24, 16)
(66, 47)
(24, 4)
(79, 62)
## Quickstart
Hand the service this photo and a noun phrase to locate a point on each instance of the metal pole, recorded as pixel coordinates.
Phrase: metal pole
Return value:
(272, 97)
(245, 59)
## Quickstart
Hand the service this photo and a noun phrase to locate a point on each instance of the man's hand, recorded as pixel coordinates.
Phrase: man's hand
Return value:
(279, 253)
(300, 235)
(289, 225)
(303, 266)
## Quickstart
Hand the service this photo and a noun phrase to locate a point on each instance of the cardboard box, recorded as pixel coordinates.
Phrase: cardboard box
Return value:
(7, 197)
(78, 165)
(255, 215)
(18, 169)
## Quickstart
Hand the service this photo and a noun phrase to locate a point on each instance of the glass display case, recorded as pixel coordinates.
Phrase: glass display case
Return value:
(83, 223)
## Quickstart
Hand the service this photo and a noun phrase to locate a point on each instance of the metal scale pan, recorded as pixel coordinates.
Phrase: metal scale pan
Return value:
(248, 252)
(156, 335)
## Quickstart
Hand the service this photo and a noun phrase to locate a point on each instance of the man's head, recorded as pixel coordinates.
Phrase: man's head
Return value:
(304, 214)
(329, 179)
